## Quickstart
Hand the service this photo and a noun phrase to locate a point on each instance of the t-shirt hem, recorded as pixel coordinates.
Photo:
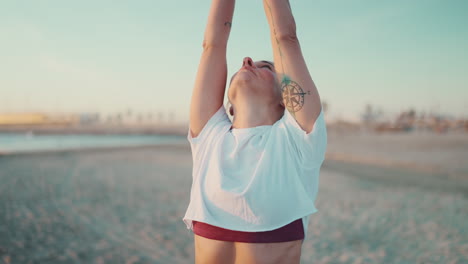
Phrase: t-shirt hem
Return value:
(189, 223)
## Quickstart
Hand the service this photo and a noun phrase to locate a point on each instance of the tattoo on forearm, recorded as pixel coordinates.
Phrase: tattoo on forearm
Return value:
(293, 95)
(229, 24)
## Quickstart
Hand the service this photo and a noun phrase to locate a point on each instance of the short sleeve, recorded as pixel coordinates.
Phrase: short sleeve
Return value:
(311, 146)
(214, 125)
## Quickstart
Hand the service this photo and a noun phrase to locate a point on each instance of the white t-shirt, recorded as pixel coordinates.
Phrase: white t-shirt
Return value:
(255, 179)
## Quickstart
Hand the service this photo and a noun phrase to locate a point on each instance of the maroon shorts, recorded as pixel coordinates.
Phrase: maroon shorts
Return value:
(289, 232)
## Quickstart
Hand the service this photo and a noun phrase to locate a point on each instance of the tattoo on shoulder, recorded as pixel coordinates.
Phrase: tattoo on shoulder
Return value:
(228, 24)
(293, 95)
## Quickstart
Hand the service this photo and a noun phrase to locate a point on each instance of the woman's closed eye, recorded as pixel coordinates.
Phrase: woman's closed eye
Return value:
(267, 66)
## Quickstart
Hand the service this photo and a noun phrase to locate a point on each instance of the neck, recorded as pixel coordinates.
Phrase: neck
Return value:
(253, 115)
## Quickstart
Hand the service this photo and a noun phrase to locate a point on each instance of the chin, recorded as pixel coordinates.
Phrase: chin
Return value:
(243, 77)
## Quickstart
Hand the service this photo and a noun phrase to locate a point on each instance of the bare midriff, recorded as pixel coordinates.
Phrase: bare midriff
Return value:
(218, 245)
(215, 251)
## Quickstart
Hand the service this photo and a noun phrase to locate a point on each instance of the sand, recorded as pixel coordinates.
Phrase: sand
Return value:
(445, 153)
(126, 206)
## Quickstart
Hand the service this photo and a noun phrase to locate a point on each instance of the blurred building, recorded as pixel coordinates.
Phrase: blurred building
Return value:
(89, 118)
(408, 121)
(25, 119)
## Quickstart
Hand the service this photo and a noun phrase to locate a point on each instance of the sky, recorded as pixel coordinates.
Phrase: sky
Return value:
(109, 56)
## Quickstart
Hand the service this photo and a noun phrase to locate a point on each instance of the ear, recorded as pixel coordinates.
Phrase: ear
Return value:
(231, 110)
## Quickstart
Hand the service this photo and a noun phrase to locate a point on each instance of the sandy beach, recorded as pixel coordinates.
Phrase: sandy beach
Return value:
(382, 199)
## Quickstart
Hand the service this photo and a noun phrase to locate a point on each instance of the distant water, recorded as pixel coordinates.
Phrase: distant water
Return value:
(27, 142)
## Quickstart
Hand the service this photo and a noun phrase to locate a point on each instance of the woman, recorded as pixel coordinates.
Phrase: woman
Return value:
(255, 179)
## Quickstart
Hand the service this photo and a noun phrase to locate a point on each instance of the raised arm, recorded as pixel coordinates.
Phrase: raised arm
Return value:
(300, 95)
(210, 82)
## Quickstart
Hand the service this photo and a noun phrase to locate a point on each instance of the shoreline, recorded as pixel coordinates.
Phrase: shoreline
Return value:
(340, 157)
(181, 130)
(178, 130)
(97, 149)
(428, 153)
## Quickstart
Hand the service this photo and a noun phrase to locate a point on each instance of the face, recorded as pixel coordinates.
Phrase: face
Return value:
(256, 79)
